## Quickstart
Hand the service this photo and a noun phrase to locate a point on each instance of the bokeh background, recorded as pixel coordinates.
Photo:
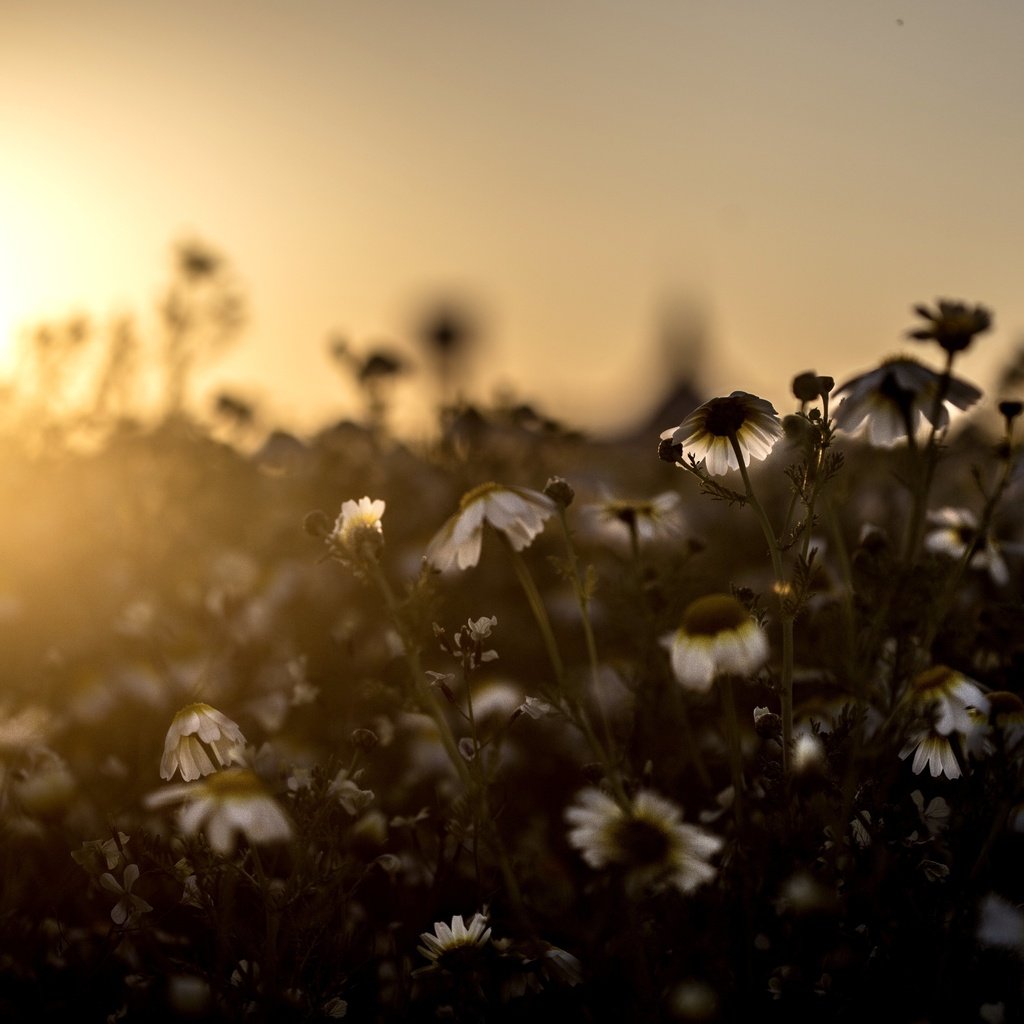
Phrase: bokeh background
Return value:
(617, 193)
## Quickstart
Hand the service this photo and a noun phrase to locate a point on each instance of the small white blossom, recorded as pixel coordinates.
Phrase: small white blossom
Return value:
(128, 906)
(194, 728)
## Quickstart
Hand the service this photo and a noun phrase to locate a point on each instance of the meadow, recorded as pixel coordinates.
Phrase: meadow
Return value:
(507, 722)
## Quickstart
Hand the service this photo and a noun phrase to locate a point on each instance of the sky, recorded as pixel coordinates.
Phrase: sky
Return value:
(793, 176)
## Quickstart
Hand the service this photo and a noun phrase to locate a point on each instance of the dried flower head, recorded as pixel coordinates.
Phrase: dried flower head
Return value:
(809, 386)
(952, 324)
(709, 431)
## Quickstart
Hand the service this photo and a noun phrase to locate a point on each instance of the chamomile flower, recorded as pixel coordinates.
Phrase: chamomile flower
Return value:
(895, 396)
(358, 535)
(194, 728)
(649, 841)
(717, 635)
(457, 946)
(709, 431)
(953, 529)
(951, 706)
(225, 806)
(649, 519)
(516, 512)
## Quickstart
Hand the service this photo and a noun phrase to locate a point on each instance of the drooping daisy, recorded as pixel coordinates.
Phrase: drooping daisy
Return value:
(953, 529)
(649, 840)
(951, 706)
(897, 394)
(193, 726)
(516, 512)
(708, 432)
(358, 534)
(455, 947)
(717, 635)
(224, 806)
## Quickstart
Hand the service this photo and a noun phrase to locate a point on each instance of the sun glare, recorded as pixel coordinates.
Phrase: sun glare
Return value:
(8, 309)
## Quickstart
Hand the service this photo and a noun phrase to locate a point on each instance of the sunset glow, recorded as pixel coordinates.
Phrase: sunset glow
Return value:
(797, 174)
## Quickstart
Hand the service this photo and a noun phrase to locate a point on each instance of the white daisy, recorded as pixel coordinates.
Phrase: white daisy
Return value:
(951, 706)
(517, 512)
(898, 393)
(455, 946)
(649, 841)
(717, 635)
(193, 726)
(708, 432)
(953, 529)
(358, 533)
(224, 806)
(651, 519)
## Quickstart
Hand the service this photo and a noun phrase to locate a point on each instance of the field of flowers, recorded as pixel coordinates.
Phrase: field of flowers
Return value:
(512, 723)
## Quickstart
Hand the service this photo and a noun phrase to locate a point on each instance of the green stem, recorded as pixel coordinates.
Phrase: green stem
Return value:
(428, 701)
(919, 504)
(540, 613)
(732, 735)
(588, 629)
(576, 712)
(785, 617)
(945, 597)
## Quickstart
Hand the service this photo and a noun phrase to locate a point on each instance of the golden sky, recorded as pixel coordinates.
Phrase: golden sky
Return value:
(799, 172)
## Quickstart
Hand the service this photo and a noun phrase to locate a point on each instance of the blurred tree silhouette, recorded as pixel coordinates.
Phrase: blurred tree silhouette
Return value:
(75, 378)
(202, 312)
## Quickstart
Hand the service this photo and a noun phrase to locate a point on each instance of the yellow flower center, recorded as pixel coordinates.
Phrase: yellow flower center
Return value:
(725, 416)
(640, 843)
(234, 782)
(938, 678)
(477, 493)
(714, 614)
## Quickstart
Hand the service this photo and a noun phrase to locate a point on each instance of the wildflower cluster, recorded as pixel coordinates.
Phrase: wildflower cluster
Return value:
(739, 741)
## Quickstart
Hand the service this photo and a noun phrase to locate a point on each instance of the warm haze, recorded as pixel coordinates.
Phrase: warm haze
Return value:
(794, 175)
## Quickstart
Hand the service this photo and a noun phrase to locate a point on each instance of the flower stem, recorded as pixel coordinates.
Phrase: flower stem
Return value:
(785, 616)
(571, 705)
(732, 734)
(424, 694)
(919, 504)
